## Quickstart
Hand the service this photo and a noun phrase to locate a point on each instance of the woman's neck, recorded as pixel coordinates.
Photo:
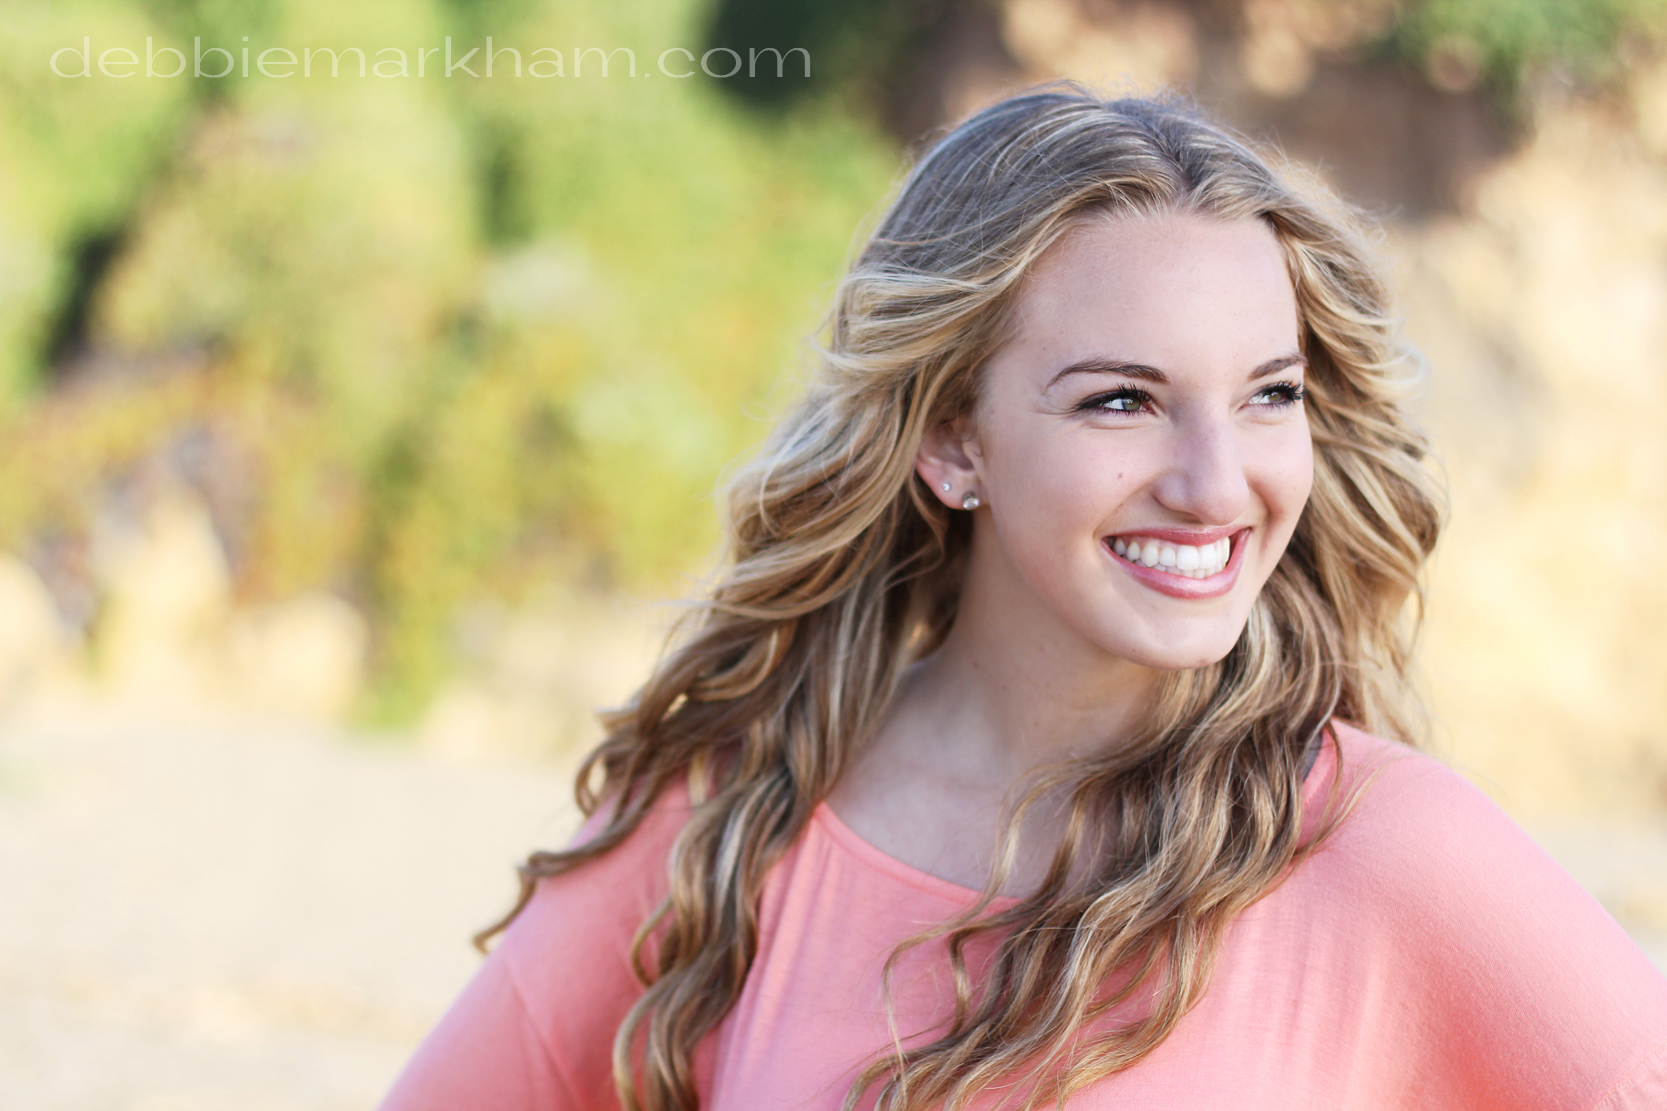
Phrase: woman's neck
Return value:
(1011, 691)
(1015, 687)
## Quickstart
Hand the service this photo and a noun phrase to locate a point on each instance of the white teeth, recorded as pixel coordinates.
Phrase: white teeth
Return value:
(1178, 559)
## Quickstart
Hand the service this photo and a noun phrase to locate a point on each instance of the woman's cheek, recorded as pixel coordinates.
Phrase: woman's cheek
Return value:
(1293, 476)
(1043, 514)
(1076, 491)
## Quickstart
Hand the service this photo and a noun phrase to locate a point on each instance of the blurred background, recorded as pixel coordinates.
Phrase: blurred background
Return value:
(357, 430)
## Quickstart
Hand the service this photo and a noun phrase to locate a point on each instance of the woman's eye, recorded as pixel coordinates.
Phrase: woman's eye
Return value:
(1118, 401)
(1279, 394)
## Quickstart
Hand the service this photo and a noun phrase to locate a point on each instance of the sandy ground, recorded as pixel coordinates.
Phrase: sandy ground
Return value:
(216, 914)
(223, 915)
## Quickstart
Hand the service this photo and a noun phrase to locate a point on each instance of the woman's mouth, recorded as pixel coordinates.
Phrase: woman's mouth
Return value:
(1192, 561)
(1164, 560)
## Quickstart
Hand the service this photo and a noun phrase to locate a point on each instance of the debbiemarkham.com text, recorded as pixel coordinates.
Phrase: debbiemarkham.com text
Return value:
(117, 61)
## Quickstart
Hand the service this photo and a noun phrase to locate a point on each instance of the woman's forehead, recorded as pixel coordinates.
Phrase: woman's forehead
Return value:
(1166, 286)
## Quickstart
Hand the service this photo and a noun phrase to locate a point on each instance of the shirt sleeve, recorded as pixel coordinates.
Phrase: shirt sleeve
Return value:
(534, 1029)
(1519, 986)
(487, 1052)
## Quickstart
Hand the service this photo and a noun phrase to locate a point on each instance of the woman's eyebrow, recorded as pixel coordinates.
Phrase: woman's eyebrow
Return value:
(1274, 366)
(1098, 365)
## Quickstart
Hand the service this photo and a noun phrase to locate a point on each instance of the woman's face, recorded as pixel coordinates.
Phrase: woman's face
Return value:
(1140, 448)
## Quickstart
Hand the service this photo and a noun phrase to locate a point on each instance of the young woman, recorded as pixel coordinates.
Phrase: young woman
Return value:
(1044, 741)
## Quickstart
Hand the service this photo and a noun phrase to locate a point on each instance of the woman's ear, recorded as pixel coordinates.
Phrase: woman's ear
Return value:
(948, 461)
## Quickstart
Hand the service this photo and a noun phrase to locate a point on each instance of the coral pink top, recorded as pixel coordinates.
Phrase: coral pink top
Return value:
(1428, 956)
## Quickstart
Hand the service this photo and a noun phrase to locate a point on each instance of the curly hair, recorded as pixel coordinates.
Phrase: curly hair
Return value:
(843, 569)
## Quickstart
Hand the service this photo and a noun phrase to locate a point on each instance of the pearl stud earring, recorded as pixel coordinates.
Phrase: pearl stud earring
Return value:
(947, 487)
(970, 502)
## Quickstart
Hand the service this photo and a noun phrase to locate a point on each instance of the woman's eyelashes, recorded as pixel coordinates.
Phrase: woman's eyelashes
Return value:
(1124, 399)
(1133, 399)
(1278, 395)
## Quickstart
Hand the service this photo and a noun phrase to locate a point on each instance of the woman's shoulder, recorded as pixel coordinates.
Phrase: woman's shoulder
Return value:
(1388, 783)
(1418, 829)
(565, 962)
(612, 893)
(1471, 938)
(578, 928)
(535, 1027)
(1428, 862)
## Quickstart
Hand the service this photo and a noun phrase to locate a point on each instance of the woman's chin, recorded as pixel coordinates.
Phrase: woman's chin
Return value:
(1178, 651)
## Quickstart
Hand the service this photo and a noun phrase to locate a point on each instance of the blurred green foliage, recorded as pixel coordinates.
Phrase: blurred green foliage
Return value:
(442, 338)
(432, 340)
(1509, 41)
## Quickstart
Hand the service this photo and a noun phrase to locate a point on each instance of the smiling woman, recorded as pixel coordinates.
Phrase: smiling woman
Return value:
(1047, 739)
(1174, 428)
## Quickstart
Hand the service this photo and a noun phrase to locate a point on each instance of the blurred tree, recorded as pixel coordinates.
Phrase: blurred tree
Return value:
(853, 42)
(75, 160)
(1504, 42)
(451, 338)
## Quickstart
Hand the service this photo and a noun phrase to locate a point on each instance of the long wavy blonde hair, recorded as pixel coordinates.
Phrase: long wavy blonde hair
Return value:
(843, 569)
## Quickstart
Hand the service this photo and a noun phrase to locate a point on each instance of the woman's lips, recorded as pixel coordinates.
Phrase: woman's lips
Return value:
(1213, 573)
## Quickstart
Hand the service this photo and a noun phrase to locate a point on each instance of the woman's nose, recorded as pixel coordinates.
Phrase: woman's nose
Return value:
(1204, 479)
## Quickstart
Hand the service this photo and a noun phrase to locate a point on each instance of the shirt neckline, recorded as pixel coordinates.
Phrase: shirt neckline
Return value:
(866, 854)
(1325, 763)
